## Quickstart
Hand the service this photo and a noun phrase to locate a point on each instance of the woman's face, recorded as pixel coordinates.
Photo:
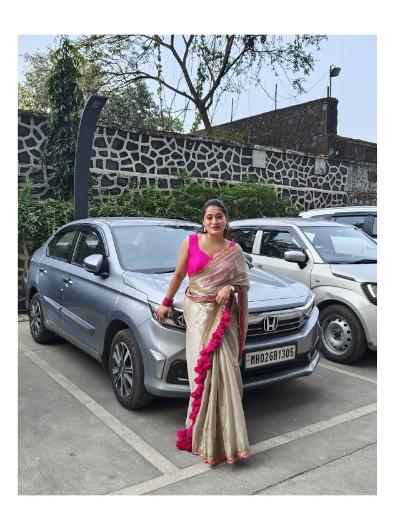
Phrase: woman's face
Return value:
(214, 220)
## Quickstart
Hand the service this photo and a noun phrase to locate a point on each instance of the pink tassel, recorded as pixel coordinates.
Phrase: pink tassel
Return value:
(184, 440)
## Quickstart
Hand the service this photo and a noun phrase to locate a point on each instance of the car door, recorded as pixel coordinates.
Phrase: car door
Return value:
(87, 299)
(272, 243)
(51, 272)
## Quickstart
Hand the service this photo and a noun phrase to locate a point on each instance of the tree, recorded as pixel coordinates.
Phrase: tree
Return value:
(65, 100)
(130, 105)
(210, 65)
(32, 93)
(134, 105)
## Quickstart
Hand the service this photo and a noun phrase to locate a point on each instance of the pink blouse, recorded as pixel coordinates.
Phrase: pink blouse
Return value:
(197, 258)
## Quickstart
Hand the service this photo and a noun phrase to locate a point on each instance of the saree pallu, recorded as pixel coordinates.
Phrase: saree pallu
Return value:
(215, 335)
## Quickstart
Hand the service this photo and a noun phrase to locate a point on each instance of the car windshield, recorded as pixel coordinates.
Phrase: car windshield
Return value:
(341, 244)
(149, 248)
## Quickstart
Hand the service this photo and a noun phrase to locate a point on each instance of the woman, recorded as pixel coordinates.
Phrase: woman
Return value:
(216, 325)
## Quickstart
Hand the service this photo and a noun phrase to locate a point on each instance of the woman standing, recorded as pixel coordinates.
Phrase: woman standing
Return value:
(216, 325)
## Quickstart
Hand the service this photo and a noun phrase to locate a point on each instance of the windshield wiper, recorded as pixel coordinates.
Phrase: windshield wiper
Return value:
(362, 261)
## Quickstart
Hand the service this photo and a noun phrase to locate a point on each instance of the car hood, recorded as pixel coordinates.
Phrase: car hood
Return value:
(359, 272)
(266, 291)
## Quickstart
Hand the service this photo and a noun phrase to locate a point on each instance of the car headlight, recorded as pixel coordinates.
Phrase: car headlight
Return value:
(309, 305)
(177, 319)
(370, 290)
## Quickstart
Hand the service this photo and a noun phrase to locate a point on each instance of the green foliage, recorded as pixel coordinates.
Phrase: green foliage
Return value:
(235, 135)
(134, 106)
(32, 92)
(66, 101)
(38, 219)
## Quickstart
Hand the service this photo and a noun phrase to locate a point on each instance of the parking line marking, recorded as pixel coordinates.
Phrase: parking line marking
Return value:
(131, 438)
(350, 374)
(197, 469)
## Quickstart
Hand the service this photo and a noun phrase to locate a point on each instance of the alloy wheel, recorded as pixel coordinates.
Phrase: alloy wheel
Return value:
(35, 317)
(122, 369)
(336, 334)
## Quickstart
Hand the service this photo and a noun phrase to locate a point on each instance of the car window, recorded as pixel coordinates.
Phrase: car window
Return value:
(149, 248)
(341, 244)
(374, 232)
(355, 220)
(275, 242)
(245, 237)
(60, 246)
(89, 243)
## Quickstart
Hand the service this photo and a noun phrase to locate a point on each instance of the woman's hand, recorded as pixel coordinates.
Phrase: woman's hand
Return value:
(162, 312)
(223, 294)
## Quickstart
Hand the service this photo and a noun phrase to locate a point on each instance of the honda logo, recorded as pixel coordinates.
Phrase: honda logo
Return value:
(270, 323)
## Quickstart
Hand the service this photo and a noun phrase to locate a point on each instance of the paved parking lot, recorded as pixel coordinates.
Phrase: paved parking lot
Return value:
(314, 435)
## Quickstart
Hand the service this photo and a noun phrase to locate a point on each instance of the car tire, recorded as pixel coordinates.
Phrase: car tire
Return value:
(39, 332)
(343, 338)
(126, 370)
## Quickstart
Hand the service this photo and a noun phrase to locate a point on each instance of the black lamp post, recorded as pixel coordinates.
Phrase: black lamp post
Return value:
(334, 71)
(84, 143)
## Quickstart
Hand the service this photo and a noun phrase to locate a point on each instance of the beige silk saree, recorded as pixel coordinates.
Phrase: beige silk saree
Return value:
(215, 335)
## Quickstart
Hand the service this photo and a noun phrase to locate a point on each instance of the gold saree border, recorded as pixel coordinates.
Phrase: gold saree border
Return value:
(237, 455)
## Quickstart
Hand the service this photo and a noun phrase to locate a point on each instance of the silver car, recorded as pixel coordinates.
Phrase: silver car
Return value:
(337, 262)
(97, 283)
(363, 217)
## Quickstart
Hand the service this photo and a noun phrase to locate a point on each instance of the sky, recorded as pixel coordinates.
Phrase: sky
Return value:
(355, 87)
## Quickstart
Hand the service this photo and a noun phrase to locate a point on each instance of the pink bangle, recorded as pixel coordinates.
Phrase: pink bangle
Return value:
(167, 302)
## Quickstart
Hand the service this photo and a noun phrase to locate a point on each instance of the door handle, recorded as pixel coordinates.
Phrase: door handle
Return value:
(42, 270)
(67, 281)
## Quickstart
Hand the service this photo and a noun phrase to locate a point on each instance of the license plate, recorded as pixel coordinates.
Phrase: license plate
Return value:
(271, 356)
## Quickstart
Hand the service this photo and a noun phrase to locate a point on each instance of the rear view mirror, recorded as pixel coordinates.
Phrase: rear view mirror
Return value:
(93, 263)
(296, 256)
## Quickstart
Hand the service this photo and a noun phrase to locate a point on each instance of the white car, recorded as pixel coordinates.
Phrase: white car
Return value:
(363, 217)
(337, 262)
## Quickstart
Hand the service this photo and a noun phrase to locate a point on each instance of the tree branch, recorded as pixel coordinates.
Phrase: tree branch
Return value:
(188, 44)
(195, 97)
(222, 73)
(223, 68)
(138, 76)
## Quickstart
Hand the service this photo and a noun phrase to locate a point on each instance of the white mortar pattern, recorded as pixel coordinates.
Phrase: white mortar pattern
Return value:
(124, 160)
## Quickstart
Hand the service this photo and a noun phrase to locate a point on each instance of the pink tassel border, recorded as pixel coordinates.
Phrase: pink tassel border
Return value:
(204, 362)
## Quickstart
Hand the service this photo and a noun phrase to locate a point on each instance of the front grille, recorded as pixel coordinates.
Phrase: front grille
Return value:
(284, 325)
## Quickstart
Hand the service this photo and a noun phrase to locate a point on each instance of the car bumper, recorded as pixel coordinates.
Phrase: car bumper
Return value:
(369, 321)
(307, 339)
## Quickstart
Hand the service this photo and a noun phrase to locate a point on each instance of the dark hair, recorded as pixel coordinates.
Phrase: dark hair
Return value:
(220, 204)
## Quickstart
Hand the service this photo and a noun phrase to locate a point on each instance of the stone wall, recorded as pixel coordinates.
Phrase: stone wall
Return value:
(301, 127)
(123, 159)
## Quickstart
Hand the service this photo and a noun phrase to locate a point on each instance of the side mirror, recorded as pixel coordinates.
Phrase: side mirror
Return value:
(296, 256)
(93, 263)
